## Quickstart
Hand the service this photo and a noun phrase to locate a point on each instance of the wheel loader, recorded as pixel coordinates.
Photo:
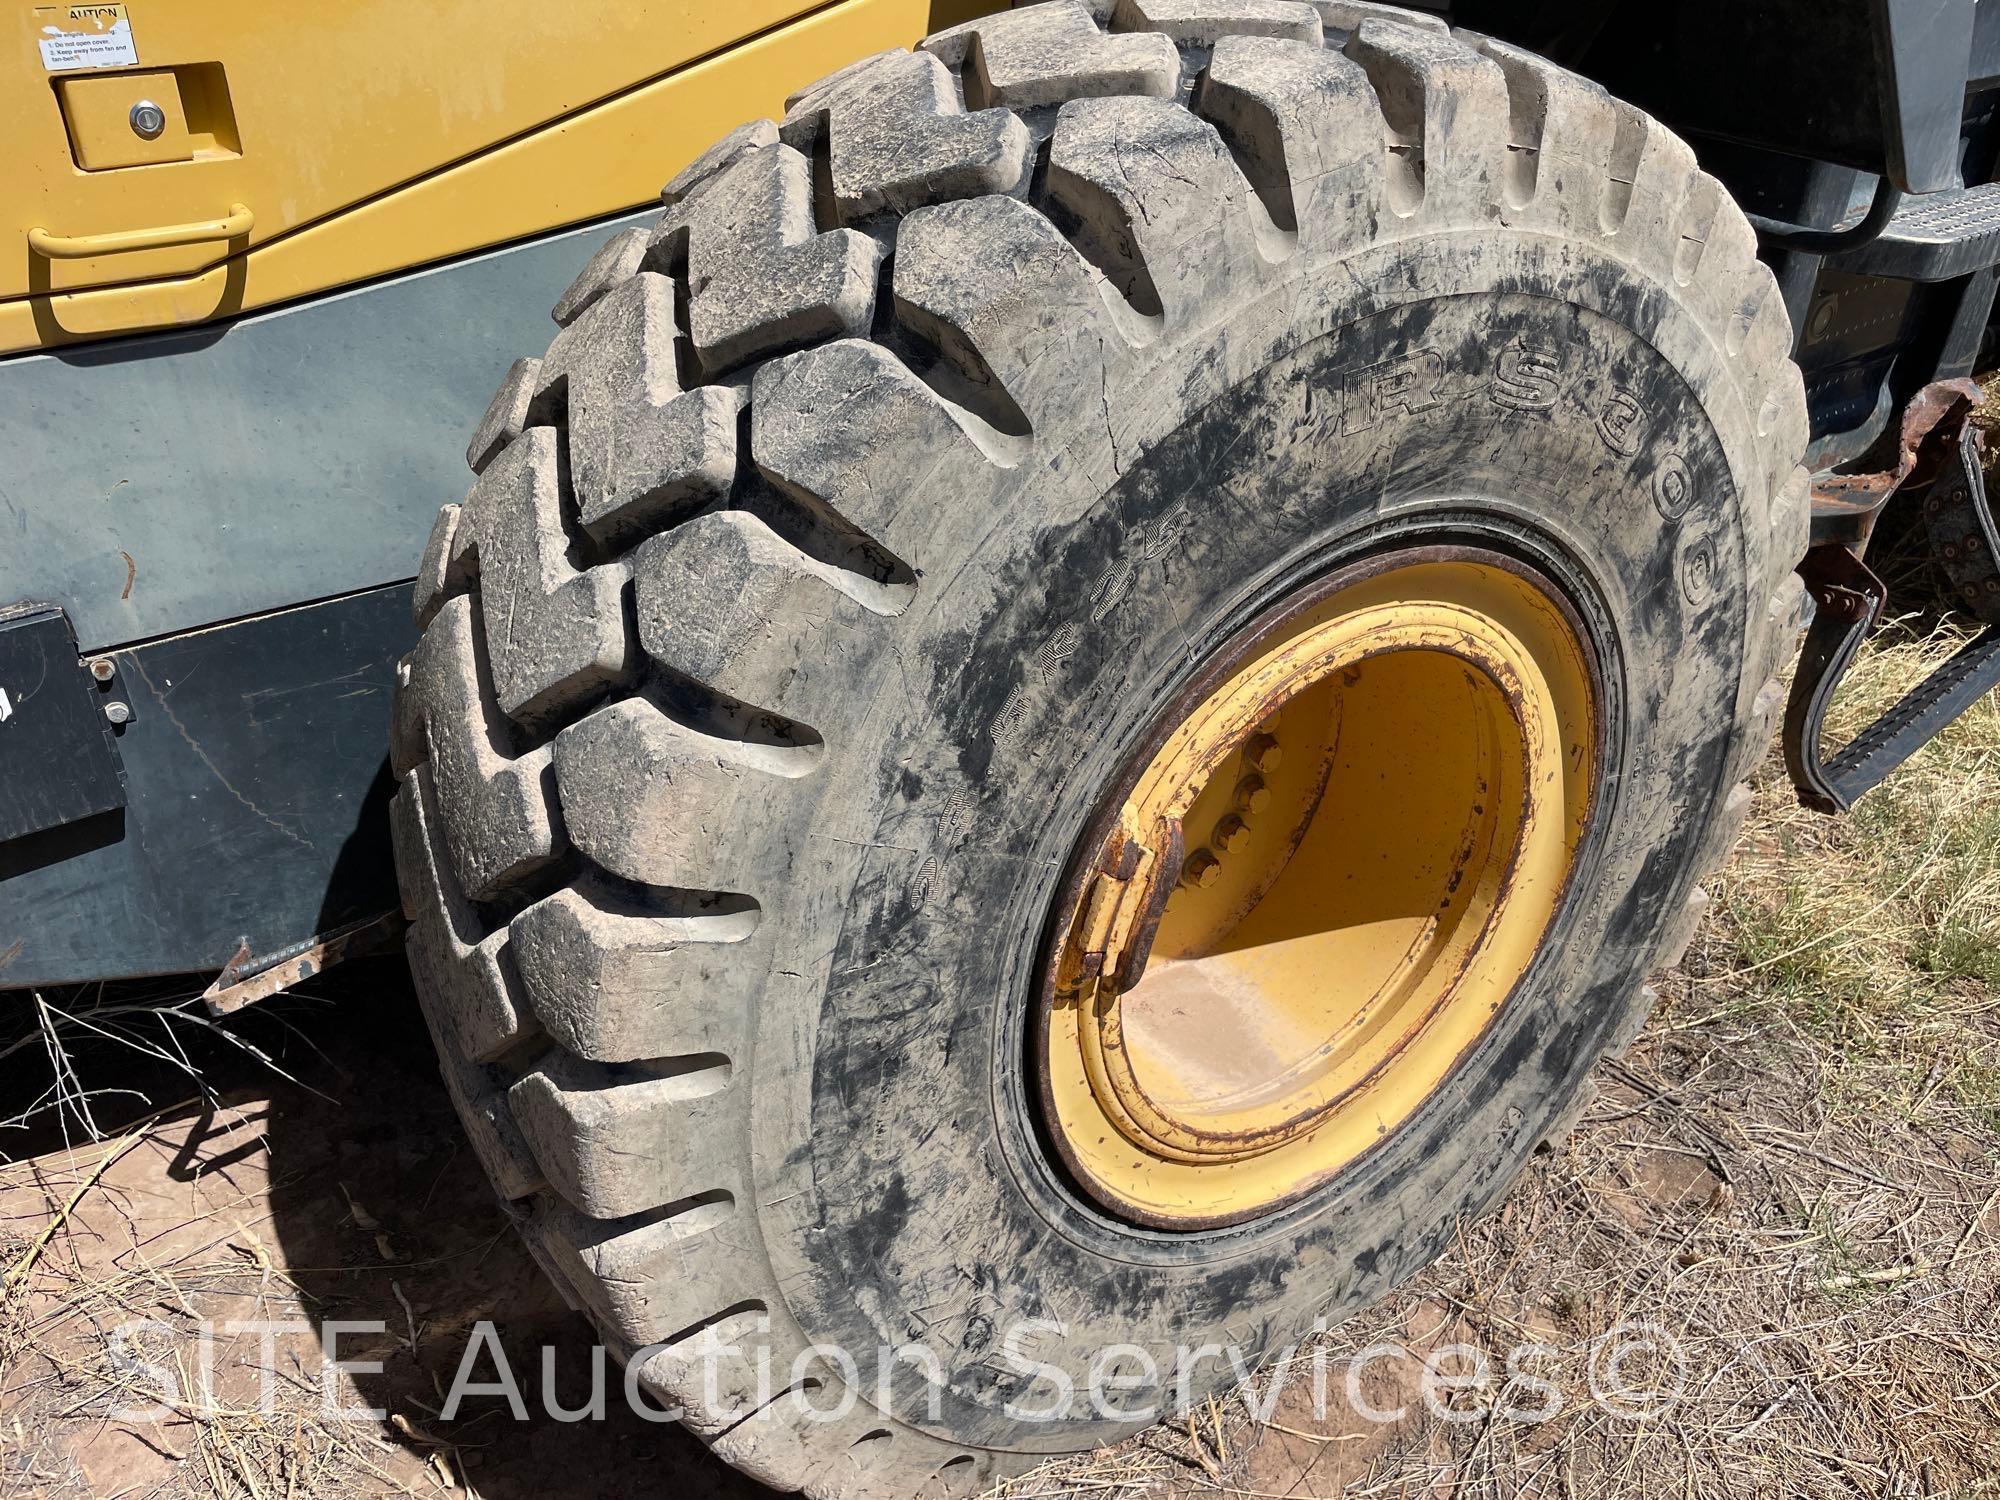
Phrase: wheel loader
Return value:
(1031, 685)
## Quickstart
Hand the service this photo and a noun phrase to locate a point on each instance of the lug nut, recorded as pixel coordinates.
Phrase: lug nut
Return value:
(1262, 752)
(1252, 796)
(1202, 869)
(1231, 834)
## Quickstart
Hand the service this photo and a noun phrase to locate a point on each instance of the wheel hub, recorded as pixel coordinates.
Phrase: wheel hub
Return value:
(1321, 878)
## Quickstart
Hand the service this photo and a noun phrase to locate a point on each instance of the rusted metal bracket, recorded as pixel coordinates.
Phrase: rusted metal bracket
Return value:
(1127, 897)
(232, 991)
(1940, 448)
(1845, 507)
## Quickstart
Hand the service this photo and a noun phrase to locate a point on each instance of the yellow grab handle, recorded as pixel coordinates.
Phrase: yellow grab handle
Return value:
(83, 246)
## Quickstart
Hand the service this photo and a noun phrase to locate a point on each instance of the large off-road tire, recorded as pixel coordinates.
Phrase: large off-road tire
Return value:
(848, 540)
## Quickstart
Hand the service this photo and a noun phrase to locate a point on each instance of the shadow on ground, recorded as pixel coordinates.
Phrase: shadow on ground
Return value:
(345, 1196)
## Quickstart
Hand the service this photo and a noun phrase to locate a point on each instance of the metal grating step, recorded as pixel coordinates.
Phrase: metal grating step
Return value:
(1935, 238)
(1970, 674)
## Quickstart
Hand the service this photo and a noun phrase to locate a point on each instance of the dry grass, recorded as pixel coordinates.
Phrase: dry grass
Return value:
(127, 1250)
(92, 1410)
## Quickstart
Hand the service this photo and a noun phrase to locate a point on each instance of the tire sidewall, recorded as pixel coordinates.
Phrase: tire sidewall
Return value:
(1538, 402)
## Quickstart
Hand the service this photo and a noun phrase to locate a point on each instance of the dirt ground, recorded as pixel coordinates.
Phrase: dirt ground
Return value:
(343, 1196)
(1781, 1206)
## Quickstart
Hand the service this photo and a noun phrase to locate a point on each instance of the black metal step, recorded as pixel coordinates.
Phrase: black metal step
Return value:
(1972, 672)
(1944, 453)
(1934, 238)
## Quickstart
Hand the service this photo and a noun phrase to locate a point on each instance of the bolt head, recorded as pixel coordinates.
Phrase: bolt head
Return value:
(117, 713)
(102, 668)
(1252, 796)
(1231, 834)
(1202, 869)
(1263, 753)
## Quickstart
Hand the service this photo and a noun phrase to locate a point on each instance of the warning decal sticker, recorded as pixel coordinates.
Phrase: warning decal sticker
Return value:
(85, 36)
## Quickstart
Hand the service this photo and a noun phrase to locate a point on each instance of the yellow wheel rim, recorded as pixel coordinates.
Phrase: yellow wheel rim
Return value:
(1319, 889)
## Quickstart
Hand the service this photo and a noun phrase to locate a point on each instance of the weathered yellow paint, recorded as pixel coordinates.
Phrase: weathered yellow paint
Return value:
(1379, 809)
(371, 137)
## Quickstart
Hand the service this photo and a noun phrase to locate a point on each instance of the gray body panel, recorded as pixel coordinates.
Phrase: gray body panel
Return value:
(279, 473)
(257, 785)
(287, 456)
